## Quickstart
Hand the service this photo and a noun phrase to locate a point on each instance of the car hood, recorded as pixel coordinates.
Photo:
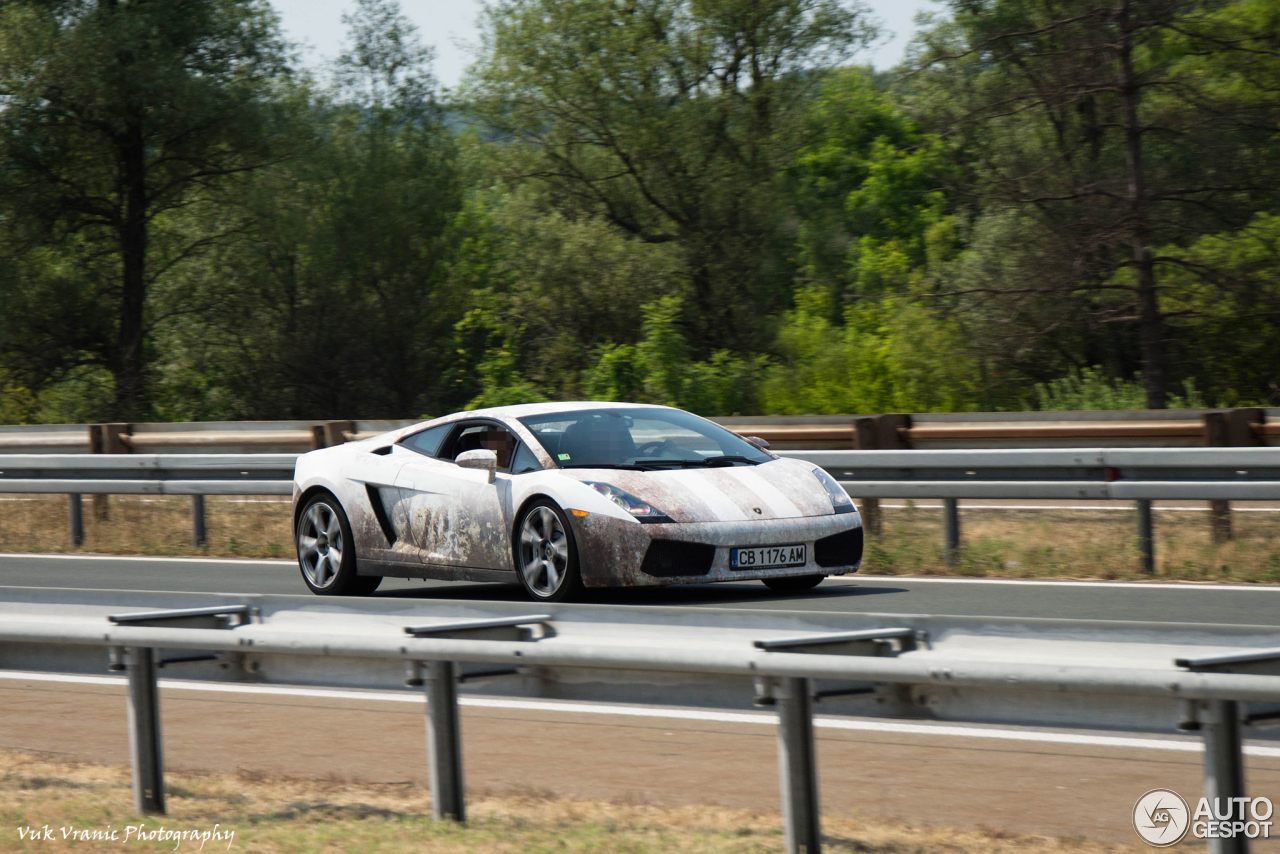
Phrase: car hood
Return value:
(779, 489)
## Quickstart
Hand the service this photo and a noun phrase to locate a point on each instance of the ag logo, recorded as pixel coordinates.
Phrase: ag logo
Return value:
(1161, 818)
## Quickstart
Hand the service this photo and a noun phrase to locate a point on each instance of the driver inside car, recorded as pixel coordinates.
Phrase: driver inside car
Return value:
(502, 444)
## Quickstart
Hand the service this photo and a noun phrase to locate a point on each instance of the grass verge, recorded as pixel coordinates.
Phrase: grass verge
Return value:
(292, 815)
(1070, 543)
(998, 543)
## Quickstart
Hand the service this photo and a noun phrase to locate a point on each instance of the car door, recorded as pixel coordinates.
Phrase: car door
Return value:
(456, 516)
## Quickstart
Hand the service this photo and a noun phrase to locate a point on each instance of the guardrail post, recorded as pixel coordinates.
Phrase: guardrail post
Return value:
(1219, 520)
(107, 439)
(1146, 536)
(1217, 434)
(951, 531)
(97, 445)
(1235, 428)
(1224, 769)
(144, 731)
(75, 519)
(866, 437)
(444, 742)
(869, 509)
(336, 432)
(199, 535)
(798, 766)
(885, 433)
(893, 432)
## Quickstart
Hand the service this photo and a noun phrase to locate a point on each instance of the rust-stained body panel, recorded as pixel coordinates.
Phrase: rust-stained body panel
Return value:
(782, 489)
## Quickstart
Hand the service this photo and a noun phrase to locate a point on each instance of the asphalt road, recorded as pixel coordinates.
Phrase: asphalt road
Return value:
(1101, 600)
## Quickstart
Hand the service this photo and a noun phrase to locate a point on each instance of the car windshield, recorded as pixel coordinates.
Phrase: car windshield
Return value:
(639, 438)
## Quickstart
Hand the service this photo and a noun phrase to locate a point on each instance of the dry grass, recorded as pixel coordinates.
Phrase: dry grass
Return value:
(236, 527)
(292, 815)
(1072, 543)
(997, 543)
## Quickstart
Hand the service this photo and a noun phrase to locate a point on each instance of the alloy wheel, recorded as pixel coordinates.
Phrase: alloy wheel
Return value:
(544, 551)
(320, 544)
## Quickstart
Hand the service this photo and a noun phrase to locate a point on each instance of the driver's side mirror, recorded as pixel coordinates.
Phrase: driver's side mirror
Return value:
(479, 459)
(758, 442)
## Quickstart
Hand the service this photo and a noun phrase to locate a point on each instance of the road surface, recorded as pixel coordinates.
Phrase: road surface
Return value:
(1096, 600)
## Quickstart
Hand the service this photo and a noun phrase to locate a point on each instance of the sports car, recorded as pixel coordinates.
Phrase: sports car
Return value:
(563, 496)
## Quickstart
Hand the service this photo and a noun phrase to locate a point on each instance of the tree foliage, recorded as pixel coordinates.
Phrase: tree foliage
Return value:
(699, 203)
(1116, 126)
(120, 122)
(338, 295)
(673, 121)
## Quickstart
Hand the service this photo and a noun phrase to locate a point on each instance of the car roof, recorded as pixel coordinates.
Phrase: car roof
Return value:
(518, 411)
(525, 409)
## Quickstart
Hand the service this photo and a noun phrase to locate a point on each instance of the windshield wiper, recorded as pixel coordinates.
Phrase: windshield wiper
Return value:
(708, 462)
(629, 466)
(670, 463)
(728, 460)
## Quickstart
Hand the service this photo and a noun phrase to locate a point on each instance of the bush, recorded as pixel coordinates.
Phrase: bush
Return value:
(1090, 389)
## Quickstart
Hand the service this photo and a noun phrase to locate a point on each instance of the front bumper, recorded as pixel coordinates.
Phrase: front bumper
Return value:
(611, 552)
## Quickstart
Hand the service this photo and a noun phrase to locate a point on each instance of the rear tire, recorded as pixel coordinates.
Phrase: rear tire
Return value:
(794, 584)
(545, 554)
(326, 550)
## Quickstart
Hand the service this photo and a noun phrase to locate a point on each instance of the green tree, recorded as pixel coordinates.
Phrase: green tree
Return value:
(890, 355)
(672, 121)
(867, 189)
(1115, 128)
(1228, 290)
(118, 120)
(660, 370)
(548, 289)
(337, 299)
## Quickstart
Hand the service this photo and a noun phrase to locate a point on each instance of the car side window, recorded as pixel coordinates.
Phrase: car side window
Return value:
(484, 437)
(525, 461)
(427, 441)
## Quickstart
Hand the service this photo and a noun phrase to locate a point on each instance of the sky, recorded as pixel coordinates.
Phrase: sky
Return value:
(450, 27)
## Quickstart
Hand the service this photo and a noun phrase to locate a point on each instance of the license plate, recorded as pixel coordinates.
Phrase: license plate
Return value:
(767, 557)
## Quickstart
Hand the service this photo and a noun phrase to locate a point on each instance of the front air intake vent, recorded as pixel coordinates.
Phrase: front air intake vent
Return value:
(380, 513)
(676, 559)
(843, 549)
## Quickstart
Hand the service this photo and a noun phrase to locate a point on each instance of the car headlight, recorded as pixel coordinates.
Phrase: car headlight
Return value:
(840, 500)
(641, 510)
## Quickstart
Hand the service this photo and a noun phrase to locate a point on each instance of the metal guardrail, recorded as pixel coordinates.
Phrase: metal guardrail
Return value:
(936, 431)
(1141, 475)
(1251, 474)
(1249, 427)
(988, 430)
(1129, 474)
(195, 475)
(1239, 428)
(148, 474)
(208, 437)
(1165, 676)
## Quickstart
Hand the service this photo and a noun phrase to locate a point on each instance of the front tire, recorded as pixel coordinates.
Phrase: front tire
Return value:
(794, 584)
(546, 556)
(326, 550)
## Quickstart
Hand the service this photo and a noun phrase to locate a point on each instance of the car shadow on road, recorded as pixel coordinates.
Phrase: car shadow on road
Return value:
(676, 595)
